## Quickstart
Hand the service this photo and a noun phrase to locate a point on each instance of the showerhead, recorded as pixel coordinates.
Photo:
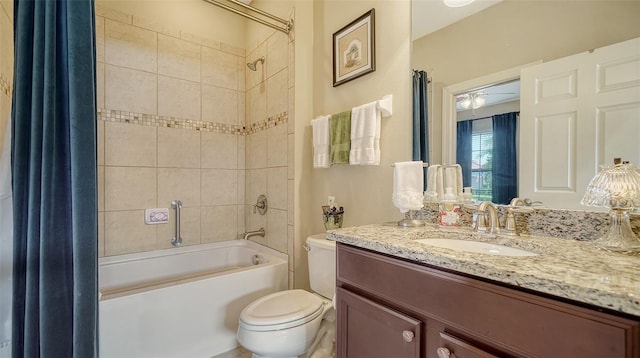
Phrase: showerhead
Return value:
(252, 65)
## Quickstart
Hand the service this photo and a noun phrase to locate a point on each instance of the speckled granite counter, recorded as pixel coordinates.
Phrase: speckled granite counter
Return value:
(564, 268)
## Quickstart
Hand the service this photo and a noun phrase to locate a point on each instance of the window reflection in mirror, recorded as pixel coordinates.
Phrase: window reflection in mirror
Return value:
(475, 152)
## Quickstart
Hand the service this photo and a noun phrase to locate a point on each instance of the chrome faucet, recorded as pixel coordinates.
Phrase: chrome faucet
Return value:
(249, 234)
(487, 211)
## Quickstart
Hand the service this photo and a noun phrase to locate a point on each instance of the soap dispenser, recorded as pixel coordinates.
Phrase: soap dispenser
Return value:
(449, 209)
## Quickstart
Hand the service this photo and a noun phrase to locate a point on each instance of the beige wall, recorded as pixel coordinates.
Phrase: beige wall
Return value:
(6, 65)
(365, 192)
(514, 33)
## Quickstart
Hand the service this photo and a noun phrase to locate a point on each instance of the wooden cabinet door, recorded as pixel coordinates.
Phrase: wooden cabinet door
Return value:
(369, 330)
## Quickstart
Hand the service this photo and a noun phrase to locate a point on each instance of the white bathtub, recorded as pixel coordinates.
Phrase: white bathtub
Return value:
(182, 302)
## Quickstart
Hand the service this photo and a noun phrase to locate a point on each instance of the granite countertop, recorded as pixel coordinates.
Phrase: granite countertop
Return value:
(570, 269)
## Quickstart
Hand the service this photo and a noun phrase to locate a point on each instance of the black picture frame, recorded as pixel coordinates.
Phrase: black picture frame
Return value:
(354, 52)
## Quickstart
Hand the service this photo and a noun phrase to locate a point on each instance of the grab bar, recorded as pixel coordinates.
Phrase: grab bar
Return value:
(176, 240)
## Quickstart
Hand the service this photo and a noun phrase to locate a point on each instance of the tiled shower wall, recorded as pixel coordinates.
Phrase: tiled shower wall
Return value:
(172, 126)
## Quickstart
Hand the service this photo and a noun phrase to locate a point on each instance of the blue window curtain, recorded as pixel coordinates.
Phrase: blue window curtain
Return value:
(421, 119)
(464, 132)
(53, 165)
(505, 158)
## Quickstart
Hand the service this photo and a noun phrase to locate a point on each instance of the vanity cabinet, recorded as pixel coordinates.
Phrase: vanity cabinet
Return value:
(388, 307)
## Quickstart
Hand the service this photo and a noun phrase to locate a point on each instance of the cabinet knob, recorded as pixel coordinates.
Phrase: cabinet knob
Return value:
(443, 352)
(407, 336)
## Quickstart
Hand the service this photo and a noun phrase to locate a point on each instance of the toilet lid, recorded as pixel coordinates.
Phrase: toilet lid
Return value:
(282, 307)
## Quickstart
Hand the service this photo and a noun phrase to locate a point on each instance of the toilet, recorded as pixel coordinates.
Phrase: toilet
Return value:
(295, 323)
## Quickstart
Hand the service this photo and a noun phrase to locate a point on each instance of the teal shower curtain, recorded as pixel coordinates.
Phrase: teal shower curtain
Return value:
(505, 158)
(53, 165)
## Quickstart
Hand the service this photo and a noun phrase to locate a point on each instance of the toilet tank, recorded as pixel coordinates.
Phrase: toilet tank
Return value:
(322, 265)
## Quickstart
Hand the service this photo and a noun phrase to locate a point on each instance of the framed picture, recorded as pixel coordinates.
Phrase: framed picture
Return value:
(354, 49)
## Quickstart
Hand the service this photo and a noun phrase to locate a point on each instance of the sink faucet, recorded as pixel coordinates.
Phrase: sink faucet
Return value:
(487, 211)
(248, 234)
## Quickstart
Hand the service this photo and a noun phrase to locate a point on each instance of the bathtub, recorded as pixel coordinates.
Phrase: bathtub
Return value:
(183, 302)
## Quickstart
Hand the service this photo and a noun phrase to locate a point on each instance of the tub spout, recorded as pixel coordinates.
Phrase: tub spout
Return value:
(248, 234)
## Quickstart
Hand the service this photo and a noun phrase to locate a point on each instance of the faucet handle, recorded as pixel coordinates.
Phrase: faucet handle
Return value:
(510, 227)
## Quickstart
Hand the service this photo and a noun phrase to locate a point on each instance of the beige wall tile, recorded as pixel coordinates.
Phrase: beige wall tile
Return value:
(255, 77)
(178, 148)
(130, 90)
(277, 230)
(277, 146)
(100, 188)
(219, 68)
(242, 67)
(130, 144)
(277, 187)
(101, 234)
(277, 53)
(219, 223)
(241, 108)
(219, 187)
(130, 46)
(277, 94)
(125, 232)
(109, 13)
(100, 141)
(178, 58)
(290, 241)
(290, 156)
(189, 228)
(238, 51)
(241, 216)
(291, 66)
(100, 85)
(179, 98)
(241, 186)
(179, 184)
(290, 201)
(256, 150)
(219, 150)
(242, 141)
(187, 36)
(156, 26)
(129, 188)
(256, 105)
(291, 113)
(219, 105)
(255, 185)
(99, 39)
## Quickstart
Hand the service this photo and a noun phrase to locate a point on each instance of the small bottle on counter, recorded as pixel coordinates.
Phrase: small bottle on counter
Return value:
(449, 209)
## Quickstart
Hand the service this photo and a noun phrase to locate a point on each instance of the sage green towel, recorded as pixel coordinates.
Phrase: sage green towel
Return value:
(340, 132)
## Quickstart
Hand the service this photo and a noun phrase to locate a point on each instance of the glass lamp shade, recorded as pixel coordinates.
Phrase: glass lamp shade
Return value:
(616, 187)
(457, 3)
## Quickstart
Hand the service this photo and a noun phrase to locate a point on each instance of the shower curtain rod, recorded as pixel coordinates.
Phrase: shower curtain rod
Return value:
(288, 24)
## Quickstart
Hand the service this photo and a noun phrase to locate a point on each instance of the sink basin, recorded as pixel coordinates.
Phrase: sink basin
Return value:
(477, 247)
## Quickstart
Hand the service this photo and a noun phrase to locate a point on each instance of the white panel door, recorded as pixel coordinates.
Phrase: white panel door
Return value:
(578, 113)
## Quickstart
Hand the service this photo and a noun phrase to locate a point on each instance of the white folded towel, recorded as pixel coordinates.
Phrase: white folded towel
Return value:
(365, 135)
(407, 186)
(453, 179)
(321, 141)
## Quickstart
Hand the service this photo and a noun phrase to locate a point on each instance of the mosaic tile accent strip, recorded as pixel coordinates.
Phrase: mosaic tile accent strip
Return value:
(5, 85)
(113, 115)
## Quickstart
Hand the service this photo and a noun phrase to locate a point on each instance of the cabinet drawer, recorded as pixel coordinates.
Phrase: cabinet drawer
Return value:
(503, 318)
(453, 347)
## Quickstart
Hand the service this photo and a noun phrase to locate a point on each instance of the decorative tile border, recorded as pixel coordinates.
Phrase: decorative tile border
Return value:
(112, 115)
(5, 85)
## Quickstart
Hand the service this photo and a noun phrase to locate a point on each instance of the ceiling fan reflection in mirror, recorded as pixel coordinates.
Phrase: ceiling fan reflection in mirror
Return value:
(500, 93)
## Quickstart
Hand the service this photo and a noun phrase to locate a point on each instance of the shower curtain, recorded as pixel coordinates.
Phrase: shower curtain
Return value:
(55, 303)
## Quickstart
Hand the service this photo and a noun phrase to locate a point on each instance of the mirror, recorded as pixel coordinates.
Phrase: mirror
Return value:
(491, 47)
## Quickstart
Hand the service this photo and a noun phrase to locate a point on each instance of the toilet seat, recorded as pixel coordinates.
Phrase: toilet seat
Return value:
(281, 310)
